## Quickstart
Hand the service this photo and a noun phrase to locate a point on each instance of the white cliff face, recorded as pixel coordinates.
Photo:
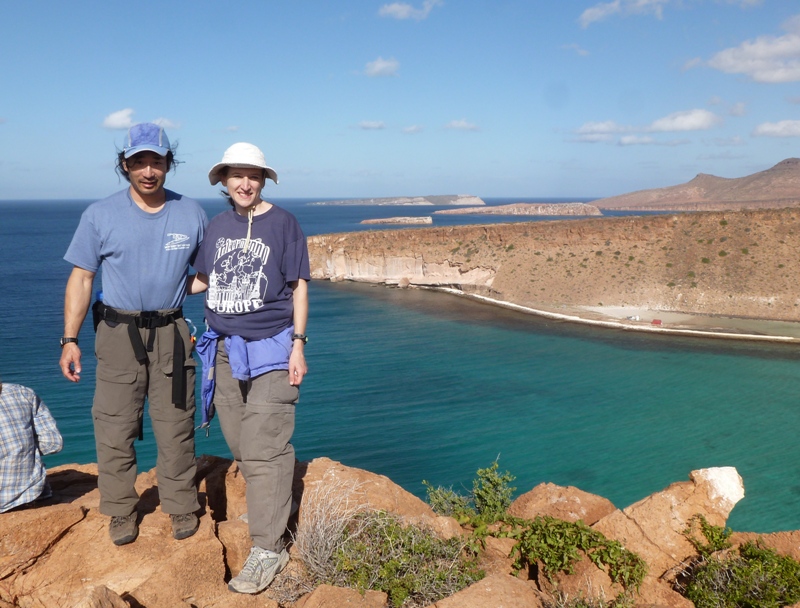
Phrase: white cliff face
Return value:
(379, 267)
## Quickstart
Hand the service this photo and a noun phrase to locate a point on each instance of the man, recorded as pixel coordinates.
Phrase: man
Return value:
(27, 432)
(143, 238)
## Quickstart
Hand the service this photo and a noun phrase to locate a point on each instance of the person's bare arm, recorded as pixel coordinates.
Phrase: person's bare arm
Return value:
(297, 360)
(76, 303)
(197, 283)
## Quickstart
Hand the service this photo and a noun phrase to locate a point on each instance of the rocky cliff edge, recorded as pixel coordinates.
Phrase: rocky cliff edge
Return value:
(59, 554)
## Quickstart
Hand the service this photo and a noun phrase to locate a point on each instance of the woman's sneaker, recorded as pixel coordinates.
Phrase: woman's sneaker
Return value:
(123, 529)
(259, 570)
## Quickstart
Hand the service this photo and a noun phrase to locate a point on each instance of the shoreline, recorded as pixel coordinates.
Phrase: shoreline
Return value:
(671, 322)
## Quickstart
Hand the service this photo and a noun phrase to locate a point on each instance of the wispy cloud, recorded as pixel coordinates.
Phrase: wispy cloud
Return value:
(121, 119)
(232, 128)
(461, 125)
(412, 129)
(769, 59)
(784, 128)
(688, 120)
(738, 109)
(630, 135)
(574, 47)
(382, 67)
(604, 10)
(403, 10)
(371, 125)
(167, 123)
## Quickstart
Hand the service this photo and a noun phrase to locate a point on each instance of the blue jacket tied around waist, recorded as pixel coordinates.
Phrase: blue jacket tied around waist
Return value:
(248, 359)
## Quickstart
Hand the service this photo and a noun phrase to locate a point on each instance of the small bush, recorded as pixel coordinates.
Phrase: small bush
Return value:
(491, 492)
(410, 564)
(752, 577)
(445, 501)
(705, 260)
(722, 254)
(557, 545)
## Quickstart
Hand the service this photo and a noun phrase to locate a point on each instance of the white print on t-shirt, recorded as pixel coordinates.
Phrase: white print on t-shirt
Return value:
(238, 283)
(179, 241)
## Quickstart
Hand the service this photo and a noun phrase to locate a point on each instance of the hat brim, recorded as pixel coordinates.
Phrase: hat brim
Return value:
(214, 176)
(161, 151)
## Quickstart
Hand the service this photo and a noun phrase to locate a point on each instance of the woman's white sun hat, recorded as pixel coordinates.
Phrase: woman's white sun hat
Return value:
(241, 155)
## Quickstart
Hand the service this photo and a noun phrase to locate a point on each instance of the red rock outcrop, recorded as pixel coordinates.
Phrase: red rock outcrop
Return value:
(59, 554)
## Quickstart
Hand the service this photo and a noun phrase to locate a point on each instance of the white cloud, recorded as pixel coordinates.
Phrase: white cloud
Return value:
(121, 119)
(606, 131)
(461, 125)
(623, 7)
(784, 128)
(688, 120)
(402, 10)
(636, 140)
(574, 47)
(232, 128)
(167, 123)
(412, 129)
(371, 125)
(382, 67)
(738, 109)
(769, 59)
(602, 128)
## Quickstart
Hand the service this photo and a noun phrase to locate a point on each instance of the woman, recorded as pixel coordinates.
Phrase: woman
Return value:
(254, 263)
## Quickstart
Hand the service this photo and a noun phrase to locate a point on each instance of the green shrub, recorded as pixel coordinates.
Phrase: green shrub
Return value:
(716, 536)
(752, 577)
(445, 501)
(491, 492)
(557, 545)
(410, 564)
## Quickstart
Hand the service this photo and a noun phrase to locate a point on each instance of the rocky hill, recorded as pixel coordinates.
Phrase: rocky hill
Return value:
(431, 199)
(734, 263)
(776, 187)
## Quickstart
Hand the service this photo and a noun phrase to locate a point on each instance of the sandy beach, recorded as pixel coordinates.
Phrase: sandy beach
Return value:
(659, 321)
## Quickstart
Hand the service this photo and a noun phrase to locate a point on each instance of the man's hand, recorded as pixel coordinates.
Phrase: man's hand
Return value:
(71, 362)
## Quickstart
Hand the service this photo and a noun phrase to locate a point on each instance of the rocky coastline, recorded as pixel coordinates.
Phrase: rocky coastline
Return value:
(59, 554)
(432, 199)
(400, 220)
(731, 272)
(557, 209)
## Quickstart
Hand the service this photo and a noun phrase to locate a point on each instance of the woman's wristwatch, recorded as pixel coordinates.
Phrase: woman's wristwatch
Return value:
(302, 337)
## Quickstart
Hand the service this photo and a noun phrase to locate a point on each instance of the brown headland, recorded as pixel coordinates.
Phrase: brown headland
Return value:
(778, 186)
(730, 273)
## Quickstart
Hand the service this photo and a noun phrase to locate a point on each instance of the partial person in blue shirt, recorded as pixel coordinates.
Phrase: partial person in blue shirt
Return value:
(27, 432)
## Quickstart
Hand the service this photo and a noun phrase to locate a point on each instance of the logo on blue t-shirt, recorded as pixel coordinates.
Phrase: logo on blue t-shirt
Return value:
(179, 241)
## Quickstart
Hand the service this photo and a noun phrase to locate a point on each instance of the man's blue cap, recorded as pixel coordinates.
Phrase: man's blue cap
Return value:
(146, 137)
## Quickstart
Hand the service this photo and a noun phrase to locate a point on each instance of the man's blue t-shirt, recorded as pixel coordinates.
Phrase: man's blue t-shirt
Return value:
(144, 257)
(248, 292)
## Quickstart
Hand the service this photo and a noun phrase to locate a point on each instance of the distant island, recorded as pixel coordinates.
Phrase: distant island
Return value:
(438, 199)
(528, 209)
(400, 220)
(776, 188)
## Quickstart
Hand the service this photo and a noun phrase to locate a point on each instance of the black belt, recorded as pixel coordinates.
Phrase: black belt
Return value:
(150, 319)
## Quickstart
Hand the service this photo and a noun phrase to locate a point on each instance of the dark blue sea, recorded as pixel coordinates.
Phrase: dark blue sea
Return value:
(418, 385)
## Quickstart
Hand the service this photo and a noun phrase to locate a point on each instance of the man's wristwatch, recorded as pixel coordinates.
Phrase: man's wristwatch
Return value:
(302, 337)
(68, 340)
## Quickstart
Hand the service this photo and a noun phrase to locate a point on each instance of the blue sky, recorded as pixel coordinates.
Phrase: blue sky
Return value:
(355, 98)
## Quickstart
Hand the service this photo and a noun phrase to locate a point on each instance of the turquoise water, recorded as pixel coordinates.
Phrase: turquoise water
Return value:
(420, 385)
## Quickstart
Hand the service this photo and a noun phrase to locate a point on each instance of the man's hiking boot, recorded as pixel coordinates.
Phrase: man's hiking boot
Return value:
(123, 529)
(183, 526)
(259, 570)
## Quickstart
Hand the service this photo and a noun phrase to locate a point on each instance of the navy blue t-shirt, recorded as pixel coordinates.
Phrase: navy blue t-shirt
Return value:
(248, 292)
